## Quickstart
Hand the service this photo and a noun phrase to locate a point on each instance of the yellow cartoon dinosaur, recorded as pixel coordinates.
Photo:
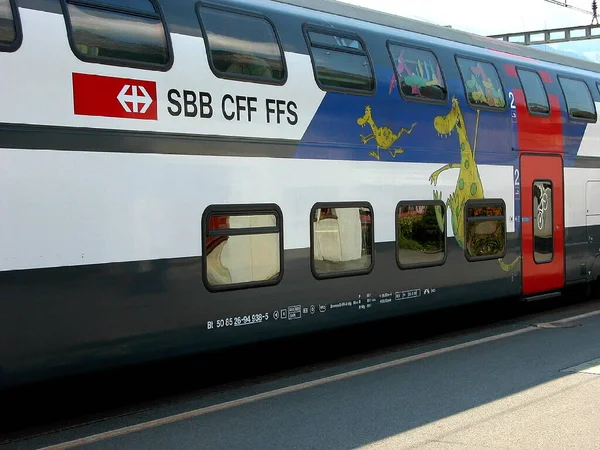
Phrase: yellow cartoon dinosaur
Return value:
(468, 184)
(384, 136)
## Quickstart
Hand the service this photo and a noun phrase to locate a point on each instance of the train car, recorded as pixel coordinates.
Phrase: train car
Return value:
(183, 176)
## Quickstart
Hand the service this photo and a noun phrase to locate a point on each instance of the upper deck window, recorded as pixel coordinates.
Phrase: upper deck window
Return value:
(340, 61)
(119, 32)
(482, 84)
(144, 6)
(579, 99)
(535, 94)
(8, 25)
(417, 74)
(242, 46)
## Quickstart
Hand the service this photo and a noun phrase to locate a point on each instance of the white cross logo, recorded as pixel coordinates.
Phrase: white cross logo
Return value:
(134, 98)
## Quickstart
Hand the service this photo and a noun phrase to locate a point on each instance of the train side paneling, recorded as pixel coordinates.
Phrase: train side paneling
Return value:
(578, 143)
(582, 175)
(102, 227)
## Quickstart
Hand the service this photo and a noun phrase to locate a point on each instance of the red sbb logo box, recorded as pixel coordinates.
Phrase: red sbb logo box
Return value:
(126, 98)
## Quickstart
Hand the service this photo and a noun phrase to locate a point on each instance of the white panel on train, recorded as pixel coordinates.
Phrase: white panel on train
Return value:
(75, 208)
(48, 99)
(576, 194)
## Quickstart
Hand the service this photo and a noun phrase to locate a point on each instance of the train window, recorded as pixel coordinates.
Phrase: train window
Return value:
(143, 6)
(535, 93)
(341, 239)
(579, 99)
(243, 246)
(543, 230)
(9, 26)
(482, 84)
(129, 33)
(242, 46)
(420, 234)
(485, 229)
(340, 61)
(417, 74)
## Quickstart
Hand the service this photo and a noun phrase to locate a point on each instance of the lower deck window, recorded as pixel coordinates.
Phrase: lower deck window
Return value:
(242, 247)
(420, 234)
(485, 229)
(342, 239)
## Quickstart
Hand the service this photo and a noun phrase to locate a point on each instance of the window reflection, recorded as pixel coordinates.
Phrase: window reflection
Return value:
(135, 5)
(578, 98)
(420, 239)
(243, 45)
(543, 227)
(235, 253)
(333, 41)
(340, 62)
(535, 94)
(417, 73)
(342, 70)
(118, 35)
(482, 84)
(8, 33)
(486, 231)
(342, 240)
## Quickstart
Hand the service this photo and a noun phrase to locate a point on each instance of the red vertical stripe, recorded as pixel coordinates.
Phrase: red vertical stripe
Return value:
(546, 78)
(539, 133)
(511, 70)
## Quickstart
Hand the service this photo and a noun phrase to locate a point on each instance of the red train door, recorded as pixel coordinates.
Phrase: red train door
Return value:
(542, 226)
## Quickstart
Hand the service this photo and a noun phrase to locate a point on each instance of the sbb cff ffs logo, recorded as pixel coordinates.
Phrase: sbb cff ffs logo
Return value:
(240, 108)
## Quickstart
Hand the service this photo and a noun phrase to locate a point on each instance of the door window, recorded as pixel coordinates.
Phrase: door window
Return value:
(543, 226)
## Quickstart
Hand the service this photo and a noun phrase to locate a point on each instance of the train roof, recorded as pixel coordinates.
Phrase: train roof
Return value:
(391, 20)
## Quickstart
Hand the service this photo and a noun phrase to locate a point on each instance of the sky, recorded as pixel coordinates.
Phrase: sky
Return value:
(489, 17)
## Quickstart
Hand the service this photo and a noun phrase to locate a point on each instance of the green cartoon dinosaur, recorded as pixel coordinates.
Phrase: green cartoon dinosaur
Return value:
(384, 136)
(468, 185)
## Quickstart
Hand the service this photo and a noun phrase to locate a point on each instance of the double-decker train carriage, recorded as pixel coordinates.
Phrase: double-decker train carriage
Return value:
(181, 176)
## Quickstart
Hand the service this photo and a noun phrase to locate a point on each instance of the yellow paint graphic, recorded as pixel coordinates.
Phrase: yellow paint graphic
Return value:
(384, 136)
(468, 184)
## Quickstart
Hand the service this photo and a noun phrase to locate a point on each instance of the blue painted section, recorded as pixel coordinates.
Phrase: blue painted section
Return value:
(335, 134)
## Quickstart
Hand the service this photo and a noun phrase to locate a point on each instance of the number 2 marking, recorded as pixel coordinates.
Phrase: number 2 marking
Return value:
(511, 96)
(517, 182)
